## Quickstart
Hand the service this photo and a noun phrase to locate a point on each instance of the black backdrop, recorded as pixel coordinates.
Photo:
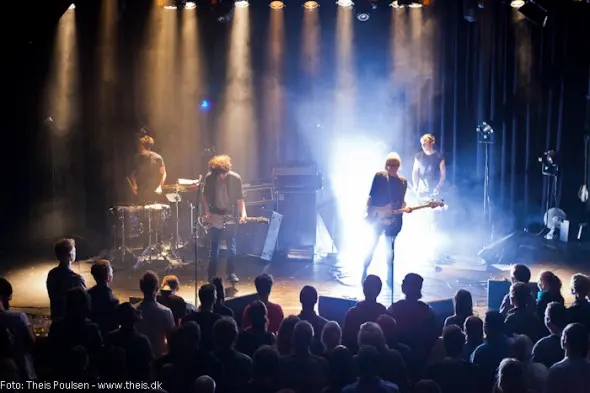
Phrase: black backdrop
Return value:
(529, 83)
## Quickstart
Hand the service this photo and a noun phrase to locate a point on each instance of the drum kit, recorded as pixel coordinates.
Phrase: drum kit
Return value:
(150, 232)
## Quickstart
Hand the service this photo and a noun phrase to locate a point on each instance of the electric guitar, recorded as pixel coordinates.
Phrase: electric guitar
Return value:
(385, 214)
(221, 221)
(583, 191)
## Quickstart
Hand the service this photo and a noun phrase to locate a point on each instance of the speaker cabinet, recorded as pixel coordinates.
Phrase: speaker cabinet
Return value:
(298, 229)
(334, 308)
(238, 304)
(259, 239)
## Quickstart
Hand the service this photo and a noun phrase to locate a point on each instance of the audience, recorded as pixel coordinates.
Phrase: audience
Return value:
(20, 337)
(535, 374)
(342, 370)
(548, 350)
(549, 291)
(426, 386)
(157, 320)
(103, 302)
(168, 297)
(369, 380)
(487, 356)
(453, 374)
(580, 309)
(572, 374)
(205, 317)
(263, 284)
(389, 327)
(367, 310)
(220, 307)
(137, 347)
(510, 377)
(463, 308)
(61, 278)
(265, 371)
(520, 319)
(285, 336)
(309, 298)
(237, 367)
(473, 329)
(302, 371)
(518, 273)
(331, 336)
(391, 365)
(204, 384)
(257, 335)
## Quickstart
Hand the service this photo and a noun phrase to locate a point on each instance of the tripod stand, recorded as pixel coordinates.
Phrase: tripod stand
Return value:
(486, 137)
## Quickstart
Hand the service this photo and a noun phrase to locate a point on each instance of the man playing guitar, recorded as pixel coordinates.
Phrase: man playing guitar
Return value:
(429, 173)
(388, 191)
(222, 196)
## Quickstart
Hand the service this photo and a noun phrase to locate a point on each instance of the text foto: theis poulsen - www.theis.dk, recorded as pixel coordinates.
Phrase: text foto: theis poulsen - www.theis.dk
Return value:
(73, 385)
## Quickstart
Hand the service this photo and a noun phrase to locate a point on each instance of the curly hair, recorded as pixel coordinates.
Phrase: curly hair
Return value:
(220, 164)
(147, 142)
(428, 138)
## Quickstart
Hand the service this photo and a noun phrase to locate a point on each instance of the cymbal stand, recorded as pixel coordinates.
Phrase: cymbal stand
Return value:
(121, 250)
(152, 251)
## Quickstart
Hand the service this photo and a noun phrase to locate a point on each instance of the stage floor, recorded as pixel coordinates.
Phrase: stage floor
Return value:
(336, 278)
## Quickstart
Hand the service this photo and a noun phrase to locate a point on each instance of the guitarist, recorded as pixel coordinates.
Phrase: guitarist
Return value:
(223, 195)
(429, 167)
(388, 188)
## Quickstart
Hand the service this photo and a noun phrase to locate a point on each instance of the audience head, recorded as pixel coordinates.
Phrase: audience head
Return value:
(366, 361)
(285, 335)
(265, 362)
(102, 272)
(77, 304)
(463, 303)
(426, 386)
(170, 283)
(302, 336)
(388, 325)
(65, 251)
(580, 286)
(371, 334)
(520, 273)
(308, 297)
(207, 297)
(76, 363)
(556, 317)
(372, 287)
(149, 284)
(549, 282)
(342, 370)
(127, 315)
(494, 324)
(204, 384)
(473, 329)
(257, 313)
(510, 376)
(263, 284)
(5, 293)
(454, 340)
(522, 348)
(184, 340)
(520, 294)
(412, 286)
(219, 290)
(331, 335)
(225, 332)
(574, 340)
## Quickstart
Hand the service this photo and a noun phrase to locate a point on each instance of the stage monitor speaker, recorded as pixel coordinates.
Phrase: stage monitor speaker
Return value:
(238, 304)
(443, 309)
(334, 308)
(298, 230)
(257, 239)
(497, 289)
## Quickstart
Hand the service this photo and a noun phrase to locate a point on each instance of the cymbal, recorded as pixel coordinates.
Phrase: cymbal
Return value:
(179, 187)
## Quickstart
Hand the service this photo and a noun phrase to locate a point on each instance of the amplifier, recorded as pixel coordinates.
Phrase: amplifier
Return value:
(304, 177)
(258, 195)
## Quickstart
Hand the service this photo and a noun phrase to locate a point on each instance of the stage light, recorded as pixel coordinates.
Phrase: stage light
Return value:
(534, 12)
(310, 5)
(345, 3)
(277, 5)
(406, 3)
(415, 4)
(181, 5)
(72, 6)
(242, 4)
(516, 3)
(363, 9)
(205, 105)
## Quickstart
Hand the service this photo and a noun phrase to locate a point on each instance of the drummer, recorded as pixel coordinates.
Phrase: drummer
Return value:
(149, 172)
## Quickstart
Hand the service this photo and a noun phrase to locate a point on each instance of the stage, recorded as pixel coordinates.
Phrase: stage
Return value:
(330, 276)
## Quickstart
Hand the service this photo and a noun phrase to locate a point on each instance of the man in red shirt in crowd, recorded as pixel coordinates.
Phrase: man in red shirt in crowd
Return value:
(275, 314)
